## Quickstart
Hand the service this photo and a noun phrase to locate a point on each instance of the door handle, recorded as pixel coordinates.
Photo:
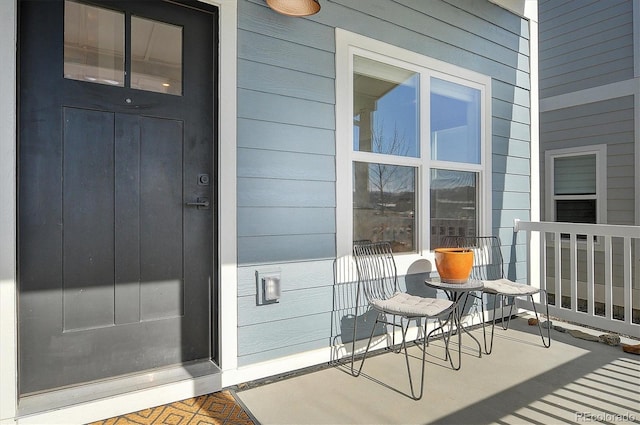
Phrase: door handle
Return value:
(201, 204)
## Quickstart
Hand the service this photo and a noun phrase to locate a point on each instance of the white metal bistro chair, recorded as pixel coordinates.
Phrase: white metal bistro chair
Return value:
(378, 281)
(488, 267)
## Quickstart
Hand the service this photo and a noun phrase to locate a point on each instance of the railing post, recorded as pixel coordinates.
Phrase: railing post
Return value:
(534, 275)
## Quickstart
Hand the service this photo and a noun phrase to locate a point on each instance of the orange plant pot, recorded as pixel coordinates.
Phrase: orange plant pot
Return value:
(454, 264)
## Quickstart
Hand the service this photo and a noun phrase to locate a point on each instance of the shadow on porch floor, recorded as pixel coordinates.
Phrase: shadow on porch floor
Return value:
(574, 381)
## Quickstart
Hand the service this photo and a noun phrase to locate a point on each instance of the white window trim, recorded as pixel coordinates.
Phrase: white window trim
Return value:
(600, 151)
(348, 44)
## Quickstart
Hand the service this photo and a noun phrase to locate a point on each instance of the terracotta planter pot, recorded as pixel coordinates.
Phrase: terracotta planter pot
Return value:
(454, 264)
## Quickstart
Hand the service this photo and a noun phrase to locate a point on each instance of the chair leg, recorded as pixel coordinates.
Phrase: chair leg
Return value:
(406, 355)
(353, 343)
(548, 343)
(489, 348)
(445, 335)
(366, 351)
(508, 321)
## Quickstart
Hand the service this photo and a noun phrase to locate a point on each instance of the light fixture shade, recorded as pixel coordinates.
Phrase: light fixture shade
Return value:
(295, 7)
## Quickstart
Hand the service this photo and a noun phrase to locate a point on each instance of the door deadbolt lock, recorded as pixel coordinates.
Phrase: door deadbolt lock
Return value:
(201, 204)
(203, 179)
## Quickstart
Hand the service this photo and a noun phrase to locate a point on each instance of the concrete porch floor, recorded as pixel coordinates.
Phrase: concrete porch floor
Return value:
(574, 381)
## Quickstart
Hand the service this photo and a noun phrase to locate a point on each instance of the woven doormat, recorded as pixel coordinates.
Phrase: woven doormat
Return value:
(219, 408)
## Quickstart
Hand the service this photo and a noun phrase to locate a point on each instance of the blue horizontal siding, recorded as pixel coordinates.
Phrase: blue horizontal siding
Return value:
(511, 165)
(279, 352)
(430, 43)
(295, 275)
(509, 111)
(254, 16)
(292, 304)
(513, 183)
(510, 93)
(269, 164)
(286, 82)
(509, 200)
(256, 192)
(285, 221)
(274, 249)
(511, 129)
(284, 333)
(285, 137)
(511, 147)
(287, 110)
(593, 37)
(286, 146)
(272, 51)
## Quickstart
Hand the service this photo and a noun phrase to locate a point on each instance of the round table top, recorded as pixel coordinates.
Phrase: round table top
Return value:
(470, 285)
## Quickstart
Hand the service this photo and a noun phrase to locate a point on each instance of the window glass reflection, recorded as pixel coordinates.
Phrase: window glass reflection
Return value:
(385, 109)
(93, 44)
(156, 56)
(453, 204)
(455, 122)
(384, 204)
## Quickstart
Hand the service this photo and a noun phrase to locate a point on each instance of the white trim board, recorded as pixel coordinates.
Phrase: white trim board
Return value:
(227, 308)
(594, 94)
(8, 203)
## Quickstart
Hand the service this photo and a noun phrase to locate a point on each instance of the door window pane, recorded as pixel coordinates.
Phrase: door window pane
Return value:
(455, 122)
(156, 56)
(385, 109)
(384, 204)
(454, 204)
(93, 44)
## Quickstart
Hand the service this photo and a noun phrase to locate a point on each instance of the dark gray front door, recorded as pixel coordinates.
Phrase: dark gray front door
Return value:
(116, 185)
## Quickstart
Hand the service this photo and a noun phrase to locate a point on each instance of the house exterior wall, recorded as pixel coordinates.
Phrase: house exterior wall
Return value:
(609, 122)
(287, 142)
(590, 95)
(584, 45)
(589, 89)
(277, 181)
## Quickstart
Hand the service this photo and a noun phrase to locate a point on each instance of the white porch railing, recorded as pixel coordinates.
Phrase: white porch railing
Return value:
(592, 275)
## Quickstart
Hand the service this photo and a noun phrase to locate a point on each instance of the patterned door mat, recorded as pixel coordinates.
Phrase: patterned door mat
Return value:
(219, 408)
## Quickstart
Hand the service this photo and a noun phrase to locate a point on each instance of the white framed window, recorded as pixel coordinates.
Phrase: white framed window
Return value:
(413, 147)
(576, 184)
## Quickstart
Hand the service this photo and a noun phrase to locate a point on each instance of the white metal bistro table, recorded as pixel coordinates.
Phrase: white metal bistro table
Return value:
(458, 293)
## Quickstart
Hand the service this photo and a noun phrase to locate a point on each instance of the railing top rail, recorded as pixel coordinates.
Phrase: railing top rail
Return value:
(578, 228)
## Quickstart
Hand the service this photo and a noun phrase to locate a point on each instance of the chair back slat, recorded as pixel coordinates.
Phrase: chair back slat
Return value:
(487, 257)
(377, 273)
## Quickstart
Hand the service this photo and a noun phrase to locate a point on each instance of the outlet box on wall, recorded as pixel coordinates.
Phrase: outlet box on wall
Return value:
(268, 287)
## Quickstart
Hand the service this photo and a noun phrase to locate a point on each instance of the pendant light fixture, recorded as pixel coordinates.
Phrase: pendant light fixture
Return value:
(295, 7)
